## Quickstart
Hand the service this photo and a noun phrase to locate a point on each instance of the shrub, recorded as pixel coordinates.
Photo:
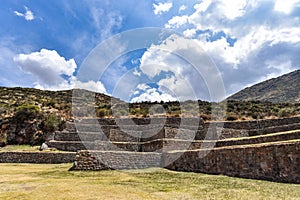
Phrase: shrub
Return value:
(51, 123)
(102, 112)
(26, 112)
(231, 117)
(285, 112)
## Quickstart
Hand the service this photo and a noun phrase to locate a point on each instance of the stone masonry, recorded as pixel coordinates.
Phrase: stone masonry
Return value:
(263, 149)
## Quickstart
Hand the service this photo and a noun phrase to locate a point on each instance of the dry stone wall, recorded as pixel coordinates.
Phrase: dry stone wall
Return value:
(100, 160)
(37, 157)
(178, 144)
(275, 162)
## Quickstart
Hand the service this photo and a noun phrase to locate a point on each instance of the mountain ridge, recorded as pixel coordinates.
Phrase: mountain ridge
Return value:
(285, 88)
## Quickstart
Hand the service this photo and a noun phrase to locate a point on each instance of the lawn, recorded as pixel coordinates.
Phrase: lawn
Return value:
(37, 181)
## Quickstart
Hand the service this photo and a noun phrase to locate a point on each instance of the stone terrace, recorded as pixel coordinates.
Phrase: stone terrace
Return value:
(173, 143)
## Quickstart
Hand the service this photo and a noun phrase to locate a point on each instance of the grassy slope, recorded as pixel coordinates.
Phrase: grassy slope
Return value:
(284, 88)
(26, 181)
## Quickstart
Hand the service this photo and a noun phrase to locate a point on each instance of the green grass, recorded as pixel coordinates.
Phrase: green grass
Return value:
(26, 148)
(19, 148)
(29, 181)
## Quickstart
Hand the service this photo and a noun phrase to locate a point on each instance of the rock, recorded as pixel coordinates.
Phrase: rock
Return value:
(43, 147)
(2, 144)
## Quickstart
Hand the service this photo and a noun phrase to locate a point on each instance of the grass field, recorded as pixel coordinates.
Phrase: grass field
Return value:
(35, 181)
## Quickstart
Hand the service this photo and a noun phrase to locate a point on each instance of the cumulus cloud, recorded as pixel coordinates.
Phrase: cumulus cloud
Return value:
(247, 39)
(177, 21)
(203, 6)
(168, 63)
(286, 7)
(182, 8)
(151, 94)
(136, 72)
(90, 85)
(28, 15)
(162, 7)
(47, 65)
(53, 72)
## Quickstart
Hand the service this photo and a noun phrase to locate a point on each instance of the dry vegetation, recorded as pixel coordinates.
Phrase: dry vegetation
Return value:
(27, 115)
(28, 181)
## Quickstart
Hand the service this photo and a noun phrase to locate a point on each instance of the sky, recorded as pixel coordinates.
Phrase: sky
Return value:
(46, 45)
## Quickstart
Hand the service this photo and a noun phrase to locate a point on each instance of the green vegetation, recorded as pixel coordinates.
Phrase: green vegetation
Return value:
(19, 148)
(26, 112)
(281, 89)
(51, 123)
(59, 103)
(35, 181)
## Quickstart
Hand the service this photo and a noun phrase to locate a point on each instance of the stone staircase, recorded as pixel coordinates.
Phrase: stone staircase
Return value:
(263, 149)
(123, 134)
(137, 143)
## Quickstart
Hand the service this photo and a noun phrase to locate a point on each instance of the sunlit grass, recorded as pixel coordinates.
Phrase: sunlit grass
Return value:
(24, 148)
(31, 181)
(19, 148)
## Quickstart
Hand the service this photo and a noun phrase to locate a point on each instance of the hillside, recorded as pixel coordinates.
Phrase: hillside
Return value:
(285, 88)
(27, 115)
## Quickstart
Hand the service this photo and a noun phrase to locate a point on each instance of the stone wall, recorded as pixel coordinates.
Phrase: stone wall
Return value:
(176, 121)
(100, 160)
(37, 157)
(117, 129)
(273, 161)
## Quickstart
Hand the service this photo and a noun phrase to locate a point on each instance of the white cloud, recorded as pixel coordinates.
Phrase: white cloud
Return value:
(184, 80)
(285, 6)
(254, 41)
(247, 34)
(47, 65)
(189, 33)
(179, 86)
(177, 21)
(136, 72)
(232, 9)
(153, 95)
(282, 67)
(90, 85)
(203, 6)
(54, 72)
(28, 15)
(142, 86)
(162, 7)
(182, 8)
(105, 22)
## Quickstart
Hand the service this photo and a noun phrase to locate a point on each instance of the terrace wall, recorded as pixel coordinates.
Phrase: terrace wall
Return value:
(37, 157)
(275, 162)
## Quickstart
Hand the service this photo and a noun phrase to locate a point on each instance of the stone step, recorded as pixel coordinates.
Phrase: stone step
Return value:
(163, 145)
(100, 160)
(117, 146)
(178, 144)
(117, 135)
(274, 129)
(274, 137)
(72, 146)
(94, 127)
(82, 136)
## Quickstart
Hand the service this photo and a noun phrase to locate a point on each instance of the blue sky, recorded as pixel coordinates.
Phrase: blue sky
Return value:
(43, 44)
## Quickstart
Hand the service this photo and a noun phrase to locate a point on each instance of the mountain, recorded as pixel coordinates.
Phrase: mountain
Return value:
(285, 88)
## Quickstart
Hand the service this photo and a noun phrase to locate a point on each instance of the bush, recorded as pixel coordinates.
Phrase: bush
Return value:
(51, 123)
(26, 112)
(285, 112)
(102, 112)
(231, 117)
